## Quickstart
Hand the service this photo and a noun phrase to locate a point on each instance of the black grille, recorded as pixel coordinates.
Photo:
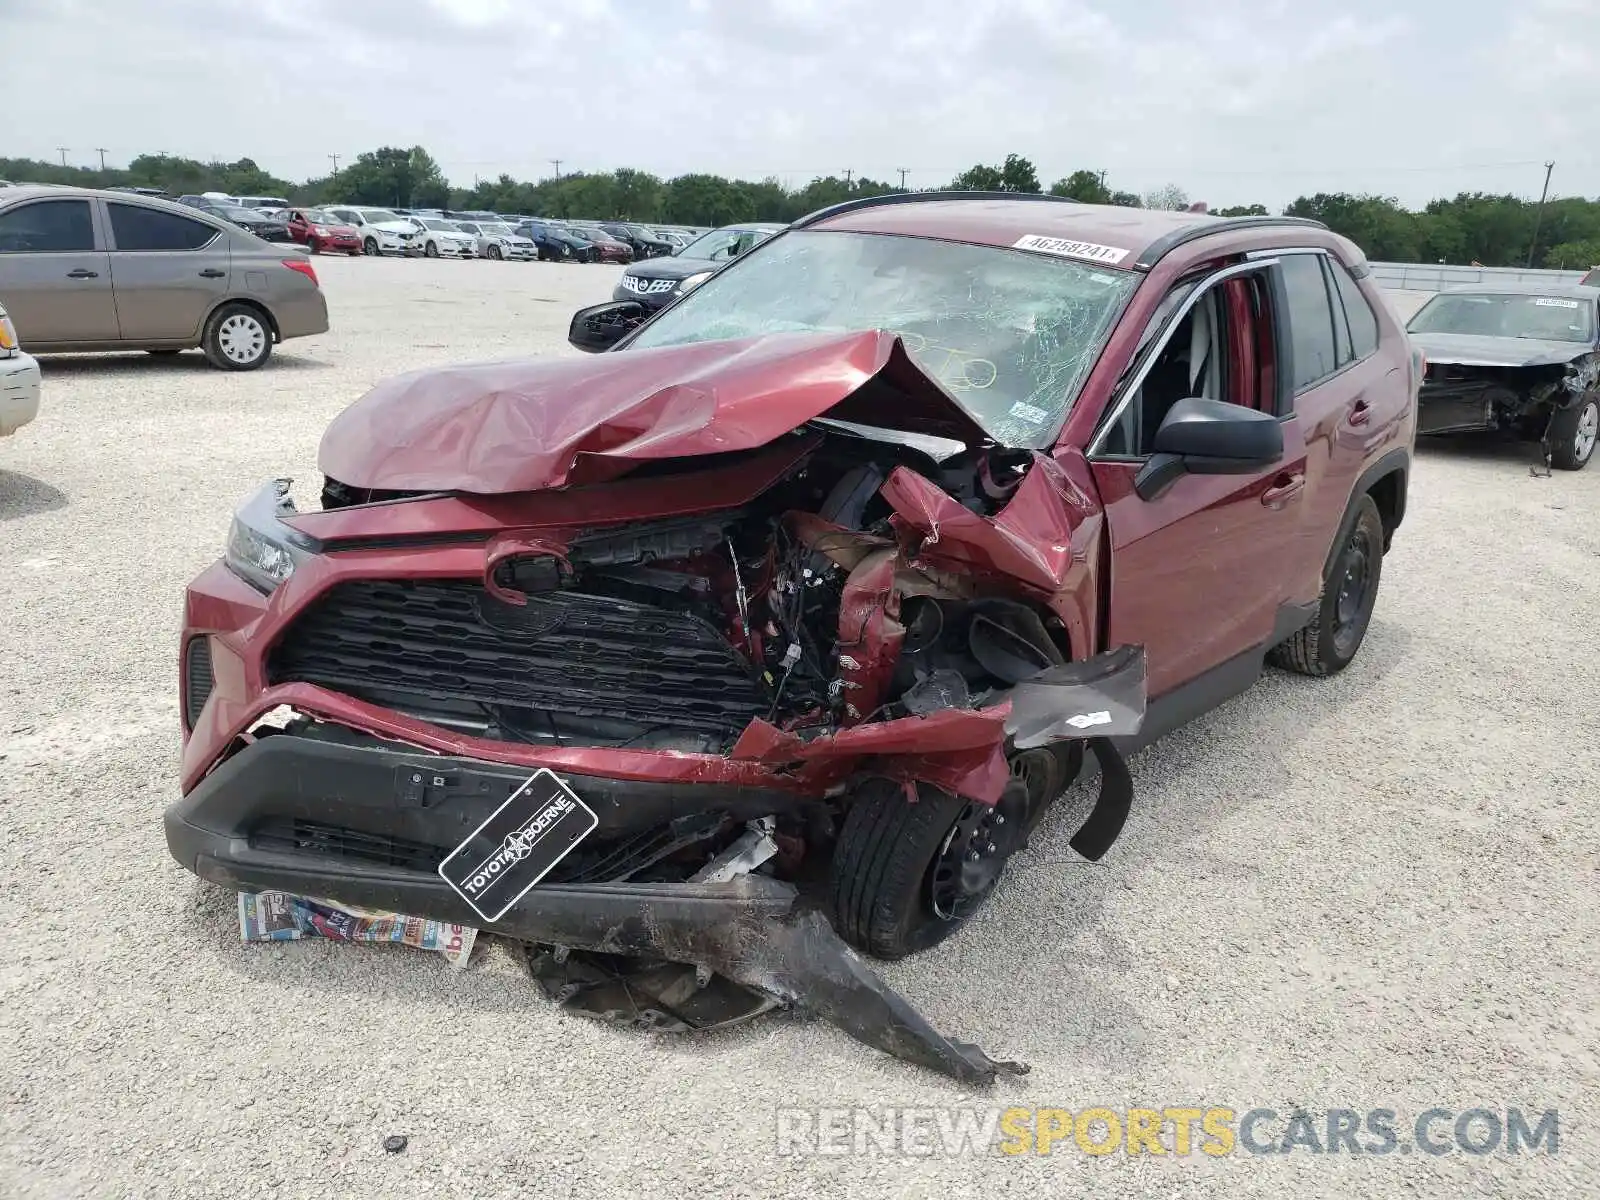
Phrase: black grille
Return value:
(197, 678)
(563, 652)
(287, 834)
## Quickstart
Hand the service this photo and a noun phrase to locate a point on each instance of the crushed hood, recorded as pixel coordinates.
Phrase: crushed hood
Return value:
(1464, 350)
(529, 425)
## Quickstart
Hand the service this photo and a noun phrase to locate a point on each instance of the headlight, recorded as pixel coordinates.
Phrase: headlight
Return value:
(8, 337)
(262, 550)
(692, 282)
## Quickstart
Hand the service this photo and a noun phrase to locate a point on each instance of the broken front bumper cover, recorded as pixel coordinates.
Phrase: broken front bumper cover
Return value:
(754, 930)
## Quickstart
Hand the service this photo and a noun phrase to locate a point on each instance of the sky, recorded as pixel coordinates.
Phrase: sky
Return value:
(1236, 101)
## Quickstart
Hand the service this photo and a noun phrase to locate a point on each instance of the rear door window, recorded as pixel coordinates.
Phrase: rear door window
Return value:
(1310, 320)
(47, 227)
(144, 229)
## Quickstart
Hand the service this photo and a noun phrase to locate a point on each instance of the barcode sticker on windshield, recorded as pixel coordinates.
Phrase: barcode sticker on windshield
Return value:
(1067, 248)
(1552, 302)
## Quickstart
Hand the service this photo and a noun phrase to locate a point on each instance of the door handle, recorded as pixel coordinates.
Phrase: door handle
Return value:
(212, 273)
(83, 273)
(1283, 489)
(1360, 414)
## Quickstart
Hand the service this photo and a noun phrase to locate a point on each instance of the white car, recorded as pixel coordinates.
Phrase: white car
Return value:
(382, 231)
(437, 237)
(499, 241)
(19, 381)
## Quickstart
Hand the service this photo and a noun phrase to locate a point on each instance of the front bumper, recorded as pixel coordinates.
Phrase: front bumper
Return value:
(19, 392)
(754, 929)
(651, 300)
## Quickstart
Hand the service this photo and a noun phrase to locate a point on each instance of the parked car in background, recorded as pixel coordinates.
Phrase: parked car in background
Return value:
(265, 226)
(496, 240)
(142, 191)
(657, 282)
(19, 379)
(92, 270)
(437, 238)
(1522, 359)
(382, 230)
(321, 232)
(277, 202)
(644, 243)
(611, 249)
(556, 243)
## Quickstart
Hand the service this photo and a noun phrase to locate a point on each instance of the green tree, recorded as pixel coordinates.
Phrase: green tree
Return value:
(1243, 210)
(1087, 186)
(1016, 174)
(1573, 256)
(396, 177)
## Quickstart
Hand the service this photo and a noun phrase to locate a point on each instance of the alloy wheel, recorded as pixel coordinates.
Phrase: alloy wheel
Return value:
(1588, 430)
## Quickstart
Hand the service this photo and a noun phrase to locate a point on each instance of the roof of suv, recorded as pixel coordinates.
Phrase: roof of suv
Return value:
(1002, 219)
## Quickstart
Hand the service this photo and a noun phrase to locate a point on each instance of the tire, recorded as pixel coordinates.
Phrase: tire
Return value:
(899, 873)
(496, 253)
(431, 250)
(353, 253)
(313, 245)
(371, 248)
(1327, 645)
(237, 338)
(1573, 433)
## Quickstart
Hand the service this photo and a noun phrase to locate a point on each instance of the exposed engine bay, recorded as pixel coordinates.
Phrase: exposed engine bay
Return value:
(675, 634)
(1462, 397)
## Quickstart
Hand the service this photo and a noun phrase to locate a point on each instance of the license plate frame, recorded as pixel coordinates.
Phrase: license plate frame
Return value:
(521, 842)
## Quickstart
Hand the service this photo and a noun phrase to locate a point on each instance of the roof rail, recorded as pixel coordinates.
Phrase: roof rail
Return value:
(834, 210)
(1164, 245)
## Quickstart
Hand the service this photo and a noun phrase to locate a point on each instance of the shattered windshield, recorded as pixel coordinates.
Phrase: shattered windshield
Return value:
(1492, 314)
(1011, 335)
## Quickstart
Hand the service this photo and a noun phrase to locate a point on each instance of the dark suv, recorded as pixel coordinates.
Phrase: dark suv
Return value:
(796, 611)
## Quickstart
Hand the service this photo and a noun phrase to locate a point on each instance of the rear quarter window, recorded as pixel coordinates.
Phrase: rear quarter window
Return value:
(1358, 311)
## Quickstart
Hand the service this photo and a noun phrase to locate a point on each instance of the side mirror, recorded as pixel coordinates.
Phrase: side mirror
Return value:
(601, 326)
(1209, 437)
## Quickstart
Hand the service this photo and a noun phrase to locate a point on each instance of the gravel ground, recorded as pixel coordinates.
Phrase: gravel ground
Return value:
(1378, 891)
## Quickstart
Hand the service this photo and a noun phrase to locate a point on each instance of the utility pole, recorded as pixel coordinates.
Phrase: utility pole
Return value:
(101, 151)
(63, 150)
(903, 173)
(557, 163)
(849, 171)
(1538, 217)
(335, 159)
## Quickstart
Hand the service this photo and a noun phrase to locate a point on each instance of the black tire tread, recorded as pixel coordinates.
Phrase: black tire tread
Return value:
(1563, 428)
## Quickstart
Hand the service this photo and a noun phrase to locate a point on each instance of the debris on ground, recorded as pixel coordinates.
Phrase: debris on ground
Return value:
(281, 917)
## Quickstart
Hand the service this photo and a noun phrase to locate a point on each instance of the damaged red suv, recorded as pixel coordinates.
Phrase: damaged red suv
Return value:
(817, 588)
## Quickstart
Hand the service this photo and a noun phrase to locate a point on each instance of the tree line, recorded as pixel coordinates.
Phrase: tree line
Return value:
(1472, 227)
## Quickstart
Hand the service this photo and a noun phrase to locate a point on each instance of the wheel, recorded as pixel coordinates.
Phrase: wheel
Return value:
(236, 338)
(907, 874)
(353, 253)
(371, 248)
(431, 250)
(495, 253)
(1349, 591)
(1572, 434)
(313, 245)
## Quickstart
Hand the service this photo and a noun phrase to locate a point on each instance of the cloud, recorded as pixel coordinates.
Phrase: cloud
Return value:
(1237, 100)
